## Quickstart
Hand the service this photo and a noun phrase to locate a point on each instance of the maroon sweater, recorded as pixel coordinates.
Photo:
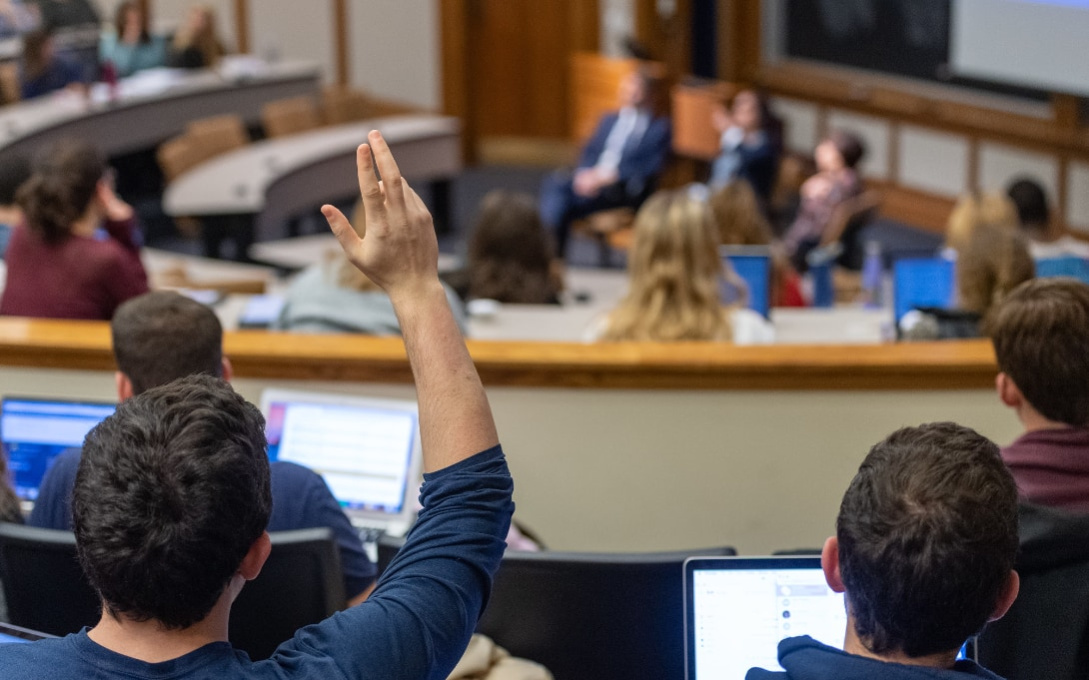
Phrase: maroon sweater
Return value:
(1052, 467)
(78, 278)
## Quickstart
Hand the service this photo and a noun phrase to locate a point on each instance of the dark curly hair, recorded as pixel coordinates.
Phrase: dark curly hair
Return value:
(171, 493)
(510, 255)
(62, 186)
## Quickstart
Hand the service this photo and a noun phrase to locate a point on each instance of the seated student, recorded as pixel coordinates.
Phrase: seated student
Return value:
(1046, 237)
(924, 553)
(509, 257)
(618, 167)
(168, 569)
(163, 336)
(13, 174)
(674, 274)
(42, 70)
(77, 256)
(1039, 334)
(336, 297)
(197, 44)
(76, 26)
(992, 262)
(836, 181)
(751, 139)
(130, 46)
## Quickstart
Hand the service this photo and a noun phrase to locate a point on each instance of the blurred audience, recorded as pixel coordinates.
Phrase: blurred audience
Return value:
(130, 45)
(197, 43)
(974, 210)
(1047, 239)
(13, 174)
(77, 255)
(751, 145)
(43, 70)
(618, 167)
(510, 255)
(76, 27)
(1039, 336)
(336, 297)
(675, 274)
(836, 181)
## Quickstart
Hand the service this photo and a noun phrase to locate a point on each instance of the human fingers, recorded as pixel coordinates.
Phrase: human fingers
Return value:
(369, 187)
(342, 229)
(392, 181)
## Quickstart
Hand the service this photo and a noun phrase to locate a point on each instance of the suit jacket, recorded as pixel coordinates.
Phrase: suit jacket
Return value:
(643, 158)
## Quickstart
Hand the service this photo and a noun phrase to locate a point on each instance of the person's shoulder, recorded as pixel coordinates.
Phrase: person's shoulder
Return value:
(36, 660)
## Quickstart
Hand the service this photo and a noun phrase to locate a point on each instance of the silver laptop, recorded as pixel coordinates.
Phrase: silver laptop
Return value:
(368, 451)
(738, 609)
(10, 634)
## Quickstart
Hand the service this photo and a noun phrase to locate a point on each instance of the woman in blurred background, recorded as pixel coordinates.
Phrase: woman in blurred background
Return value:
(197, 43)
(42, 70)
(751, 145)
(130, 46)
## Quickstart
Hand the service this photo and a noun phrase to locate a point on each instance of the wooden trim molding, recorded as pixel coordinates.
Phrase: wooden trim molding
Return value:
(342, 42)
(242, 25)
(76, 345)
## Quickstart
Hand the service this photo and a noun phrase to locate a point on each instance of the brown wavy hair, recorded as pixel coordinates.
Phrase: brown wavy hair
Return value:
(738, 216)
(61, 188)
(993, 262)
(674, 271)
(510, 254)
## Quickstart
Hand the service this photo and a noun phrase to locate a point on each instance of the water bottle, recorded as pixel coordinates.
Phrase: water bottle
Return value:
(872, 276)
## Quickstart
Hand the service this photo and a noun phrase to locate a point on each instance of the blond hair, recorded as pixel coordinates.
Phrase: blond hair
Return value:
(674, 271)
(738, 216)
(973, 210)
(993, 262)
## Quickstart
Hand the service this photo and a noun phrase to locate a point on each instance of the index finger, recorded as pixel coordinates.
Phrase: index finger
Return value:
(369, 189)
(391, 174)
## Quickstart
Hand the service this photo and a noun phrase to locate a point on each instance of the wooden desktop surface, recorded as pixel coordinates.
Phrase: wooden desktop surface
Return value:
(342, 358)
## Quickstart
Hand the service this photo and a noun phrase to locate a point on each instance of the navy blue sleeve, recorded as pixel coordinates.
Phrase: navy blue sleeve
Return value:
(302, 500)
(596, 144)
(759, 166)
(418, 622)
(643, 165)
(53, 507)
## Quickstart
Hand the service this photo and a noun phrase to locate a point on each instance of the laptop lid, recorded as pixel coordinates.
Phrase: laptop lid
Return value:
(368, 450)
(926, 282)
(33, 432)
(753, 265)
(15, 634)
(738, 609)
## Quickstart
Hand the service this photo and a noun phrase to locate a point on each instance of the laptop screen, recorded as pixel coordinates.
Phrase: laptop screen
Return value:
(753, 266)
(737, 610)
(922, 283)
(15, 634)
(35, 431)
(364, 449)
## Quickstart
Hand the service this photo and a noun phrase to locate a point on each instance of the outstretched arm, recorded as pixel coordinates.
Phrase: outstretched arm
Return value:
(399, 252)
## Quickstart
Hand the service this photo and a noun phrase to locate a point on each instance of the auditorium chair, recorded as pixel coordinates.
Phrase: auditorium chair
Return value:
(43, 582)
(218, 134)
(300, 584)
(1045, 634)
(340, 105)
(290, 116)
(848, 220)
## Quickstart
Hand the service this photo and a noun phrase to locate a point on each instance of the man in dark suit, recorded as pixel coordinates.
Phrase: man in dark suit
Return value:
(619, 165)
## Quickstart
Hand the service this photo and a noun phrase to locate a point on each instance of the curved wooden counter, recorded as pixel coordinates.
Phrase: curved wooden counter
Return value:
(260, 354)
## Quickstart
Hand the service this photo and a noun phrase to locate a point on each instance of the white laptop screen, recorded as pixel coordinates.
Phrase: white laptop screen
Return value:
(363, 452)
(739, 611)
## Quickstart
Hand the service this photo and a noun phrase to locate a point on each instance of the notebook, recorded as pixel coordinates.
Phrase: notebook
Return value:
(753, 265)
(15, 634)
(917, 283)
(737, 609)
(368, 451)
(33, 432)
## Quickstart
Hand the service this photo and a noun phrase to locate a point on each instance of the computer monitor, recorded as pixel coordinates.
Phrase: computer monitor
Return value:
(753, 264)
(14, 634)
(925, 282)
(368, 450)
(738, 609)
(33, 432)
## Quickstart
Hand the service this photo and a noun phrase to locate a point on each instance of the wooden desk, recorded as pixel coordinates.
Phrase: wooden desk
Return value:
(277, 179)
(152, 107)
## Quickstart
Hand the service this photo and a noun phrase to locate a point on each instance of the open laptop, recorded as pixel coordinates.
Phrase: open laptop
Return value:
(33, 432)
(754, 266)
(368, 451)
(922, 282)
(14, 634)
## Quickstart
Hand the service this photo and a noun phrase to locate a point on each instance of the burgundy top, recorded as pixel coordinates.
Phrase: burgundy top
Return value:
(1052, 467)
(79, 278)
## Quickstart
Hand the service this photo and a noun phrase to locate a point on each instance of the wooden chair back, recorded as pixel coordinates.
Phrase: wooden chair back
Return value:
(290, 116)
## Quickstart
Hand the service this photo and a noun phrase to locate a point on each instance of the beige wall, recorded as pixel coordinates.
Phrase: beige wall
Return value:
(628, 470)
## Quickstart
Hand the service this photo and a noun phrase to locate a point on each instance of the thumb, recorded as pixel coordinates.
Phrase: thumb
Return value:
(342, 229)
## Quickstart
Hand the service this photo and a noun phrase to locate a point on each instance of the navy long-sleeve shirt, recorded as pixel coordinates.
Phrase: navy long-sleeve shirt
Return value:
(415, 626)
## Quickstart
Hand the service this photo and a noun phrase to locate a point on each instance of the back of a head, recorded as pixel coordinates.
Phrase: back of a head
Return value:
(509, 255)
(674, 271)
(171, 493)
(1030, 199)
(850, 147)
(162, 336)
(738, 216)
(994, 260)
(927, 539)
(972, 211)
(1039, 334)
(14, 172)
(63, 184)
